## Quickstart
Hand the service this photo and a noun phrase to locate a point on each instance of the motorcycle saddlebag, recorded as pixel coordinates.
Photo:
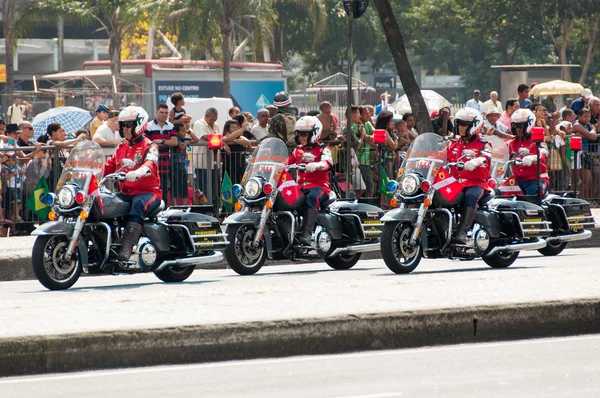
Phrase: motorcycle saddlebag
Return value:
(369, 216)
(578, 212)
(205, 230)
(532, 217)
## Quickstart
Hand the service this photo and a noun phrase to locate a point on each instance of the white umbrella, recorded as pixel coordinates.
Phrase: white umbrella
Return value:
(556, 87)
(433, 100)
(71, 119)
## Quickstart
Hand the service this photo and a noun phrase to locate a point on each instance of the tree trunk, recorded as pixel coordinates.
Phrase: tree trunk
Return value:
(592, 36)
(8, 16)
(396, 44)
(226, 62)
(114, 50)
(60, 27)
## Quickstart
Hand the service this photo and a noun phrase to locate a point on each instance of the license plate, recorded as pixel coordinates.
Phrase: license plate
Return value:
(576, 227)
(371, 221)
(533, 220)
(205, 232)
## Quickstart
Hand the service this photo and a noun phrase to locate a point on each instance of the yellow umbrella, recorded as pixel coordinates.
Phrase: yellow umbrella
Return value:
(556, 87)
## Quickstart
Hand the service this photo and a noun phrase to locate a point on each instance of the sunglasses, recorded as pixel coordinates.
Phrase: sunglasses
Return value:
(517, 125)
(129, 125)
(302, 133)
(461, 123)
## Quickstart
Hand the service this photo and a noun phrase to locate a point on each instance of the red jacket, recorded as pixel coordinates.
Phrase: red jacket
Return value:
(529, 173)
(478, 177)
(144, 153)
(318, 178)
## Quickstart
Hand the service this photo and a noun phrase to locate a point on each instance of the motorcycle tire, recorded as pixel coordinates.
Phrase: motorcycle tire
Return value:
(171, 275)
(552, 250)
(241, 257)
(343, 261)
(52, 273)
(501, 260)
(396, 254)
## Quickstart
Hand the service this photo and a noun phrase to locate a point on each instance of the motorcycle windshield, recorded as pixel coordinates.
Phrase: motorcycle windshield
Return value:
(500, 157)
(85, 158)
(427, 150)
(267, 161)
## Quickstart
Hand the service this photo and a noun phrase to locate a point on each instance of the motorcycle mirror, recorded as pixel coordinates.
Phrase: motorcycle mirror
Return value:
(127, 163)
(524, 152)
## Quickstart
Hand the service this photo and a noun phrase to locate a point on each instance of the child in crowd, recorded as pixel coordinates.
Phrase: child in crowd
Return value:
(177, 111)
(180, 163)
(11, 175)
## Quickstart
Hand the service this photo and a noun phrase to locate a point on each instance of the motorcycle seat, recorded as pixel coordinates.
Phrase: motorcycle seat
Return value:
(332, 198)
(485, 199)
(155, 212)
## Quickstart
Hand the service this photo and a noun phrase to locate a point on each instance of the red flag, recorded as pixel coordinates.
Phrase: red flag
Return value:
(94, 191)
(447, 185)
(290, 191)
(510, 187)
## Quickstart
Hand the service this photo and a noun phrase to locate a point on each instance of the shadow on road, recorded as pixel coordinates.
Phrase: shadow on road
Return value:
(307, 272)
(448, 271)
(124, 286)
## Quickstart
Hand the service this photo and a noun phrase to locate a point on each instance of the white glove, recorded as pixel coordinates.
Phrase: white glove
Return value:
(137, 174)
(468, 153)
(312, 167)
(524, 152)
(308, 157)
(529, 160)
(473, 164)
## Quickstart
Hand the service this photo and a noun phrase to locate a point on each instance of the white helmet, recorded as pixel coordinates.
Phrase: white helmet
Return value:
(135, 114)
(522, 117)
(311, 125)
(468, 117)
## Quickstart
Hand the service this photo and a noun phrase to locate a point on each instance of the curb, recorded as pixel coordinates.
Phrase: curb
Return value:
(192, 344)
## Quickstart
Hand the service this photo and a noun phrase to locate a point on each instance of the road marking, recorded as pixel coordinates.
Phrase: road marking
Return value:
(271, 361)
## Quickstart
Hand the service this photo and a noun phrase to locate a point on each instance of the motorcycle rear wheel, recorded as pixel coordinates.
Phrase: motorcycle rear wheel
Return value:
(170, 275)
(343, 261)
(398, 256)
(48, 266)
(501, 259)
(552, 250)
(239, 254)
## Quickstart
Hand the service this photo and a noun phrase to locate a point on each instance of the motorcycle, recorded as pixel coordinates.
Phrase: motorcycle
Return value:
(569, 216)
(87, 222)
(266, 225)
(424, 223)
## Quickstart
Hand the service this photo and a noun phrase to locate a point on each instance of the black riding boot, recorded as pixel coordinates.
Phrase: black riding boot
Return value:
(308, 225)
(466, 221)
(130, 238)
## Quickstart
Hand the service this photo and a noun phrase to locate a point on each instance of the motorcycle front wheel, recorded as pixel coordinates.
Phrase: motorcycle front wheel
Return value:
(241, 256)
(48, 263)
(399, 256)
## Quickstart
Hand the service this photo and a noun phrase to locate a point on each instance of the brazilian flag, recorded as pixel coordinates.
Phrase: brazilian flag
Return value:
(227, 193)
(384, 183)
(35, 204)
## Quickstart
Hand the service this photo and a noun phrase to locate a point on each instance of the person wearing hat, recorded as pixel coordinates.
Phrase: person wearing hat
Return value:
(581, 102)
(101, 117)
(474, 102)
(491, 124)
(282, 125)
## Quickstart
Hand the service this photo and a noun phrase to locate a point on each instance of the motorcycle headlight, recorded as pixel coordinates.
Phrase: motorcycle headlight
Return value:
(253, 188)
(66, 196)
(410, 184)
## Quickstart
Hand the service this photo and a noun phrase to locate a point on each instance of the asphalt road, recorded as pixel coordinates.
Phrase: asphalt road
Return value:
(289, 292)
(565, 367)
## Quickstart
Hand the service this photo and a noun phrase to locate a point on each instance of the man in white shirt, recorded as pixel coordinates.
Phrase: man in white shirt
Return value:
(17, 111)
(491, 124)
(261, 129)
(494, 101)
(474, 102)
(107, 135)
(202, 128)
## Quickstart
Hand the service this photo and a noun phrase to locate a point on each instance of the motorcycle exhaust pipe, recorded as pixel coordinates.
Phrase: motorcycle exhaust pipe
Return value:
(185, 262)
(369, 247)
(517, 247)
(586, 234)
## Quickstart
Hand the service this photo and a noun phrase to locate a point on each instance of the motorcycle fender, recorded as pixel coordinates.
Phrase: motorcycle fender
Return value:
(159, 235)
(54, 228)
(491, 222)
(400, 215)
(243, 217)
(331, 224)
(83, 254)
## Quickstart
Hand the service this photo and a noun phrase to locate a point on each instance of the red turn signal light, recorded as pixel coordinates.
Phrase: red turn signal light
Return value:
(268, 188)
(79, 197)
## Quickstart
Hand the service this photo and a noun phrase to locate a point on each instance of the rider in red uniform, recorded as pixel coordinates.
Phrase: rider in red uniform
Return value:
(521, 123)
(314, 182)
(142, 185)
(474, 177)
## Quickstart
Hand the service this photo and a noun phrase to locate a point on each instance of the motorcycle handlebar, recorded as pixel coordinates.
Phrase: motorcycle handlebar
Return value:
(120, 176)
(300, 167)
